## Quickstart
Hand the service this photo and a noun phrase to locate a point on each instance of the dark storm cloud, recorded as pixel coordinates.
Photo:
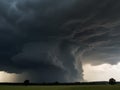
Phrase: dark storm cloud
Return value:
(47, 39)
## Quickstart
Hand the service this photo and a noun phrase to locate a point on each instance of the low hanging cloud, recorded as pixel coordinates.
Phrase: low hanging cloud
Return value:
(48, 40)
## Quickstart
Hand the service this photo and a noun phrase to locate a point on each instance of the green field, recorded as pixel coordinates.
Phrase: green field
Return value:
(98, 87)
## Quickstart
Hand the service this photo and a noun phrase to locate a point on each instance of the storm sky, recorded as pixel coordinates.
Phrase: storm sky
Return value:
(51, 40)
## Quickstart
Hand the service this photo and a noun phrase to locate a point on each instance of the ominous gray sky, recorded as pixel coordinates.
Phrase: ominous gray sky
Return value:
(48, 39)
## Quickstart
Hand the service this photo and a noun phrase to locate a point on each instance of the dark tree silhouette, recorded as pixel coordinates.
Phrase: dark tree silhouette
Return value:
(112, 81)
(26, 82)
(56, 83)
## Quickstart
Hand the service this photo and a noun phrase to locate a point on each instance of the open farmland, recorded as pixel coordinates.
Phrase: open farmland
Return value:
(85, 87)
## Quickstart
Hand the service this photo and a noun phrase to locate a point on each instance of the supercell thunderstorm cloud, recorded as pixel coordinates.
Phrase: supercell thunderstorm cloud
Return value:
(49, 40)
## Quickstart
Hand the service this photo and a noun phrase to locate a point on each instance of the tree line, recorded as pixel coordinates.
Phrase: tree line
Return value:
(111, 81)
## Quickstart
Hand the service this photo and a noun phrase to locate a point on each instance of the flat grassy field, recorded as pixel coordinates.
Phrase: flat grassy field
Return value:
(92, 87)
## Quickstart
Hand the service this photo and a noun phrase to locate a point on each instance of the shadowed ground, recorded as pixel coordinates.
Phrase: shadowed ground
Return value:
(90, 87)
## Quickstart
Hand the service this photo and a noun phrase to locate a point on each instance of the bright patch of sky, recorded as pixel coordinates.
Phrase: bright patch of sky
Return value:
(101, 72)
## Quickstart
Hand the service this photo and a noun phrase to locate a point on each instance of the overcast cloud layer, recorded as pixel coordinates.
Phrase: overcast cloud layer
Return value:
(48, 39)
